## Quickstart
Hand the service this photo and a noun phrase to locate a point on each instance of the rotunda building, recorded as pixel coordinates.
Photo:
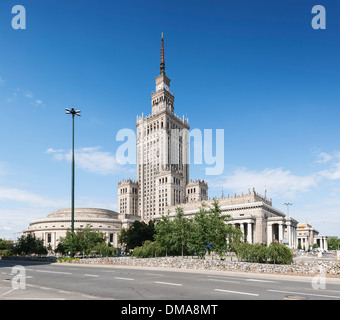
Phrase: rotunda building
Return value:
(56, 225)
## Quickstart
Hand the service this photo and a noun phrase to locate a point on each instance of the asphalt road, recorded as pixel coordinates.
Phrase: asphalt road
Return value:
(83, 282)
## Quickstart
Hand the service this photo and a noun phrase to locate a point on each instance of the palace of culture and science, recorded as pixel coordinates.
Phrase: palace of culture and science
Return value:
(163, 179)
(162, 159)
(163, 184)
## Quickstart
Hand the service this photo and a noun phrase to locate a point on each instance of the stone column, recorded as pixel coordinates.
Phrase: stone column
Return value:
(289, 234)
(280, 232)
(54, 240)
(115, 240)
(242, 229)
(250, 233)
(269, 234)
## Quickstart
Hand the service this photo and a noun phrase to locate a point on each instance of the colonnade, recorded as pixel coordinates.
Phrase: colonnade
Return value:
(306, 242)
(247, 228)
(282, 232)
(51, 238)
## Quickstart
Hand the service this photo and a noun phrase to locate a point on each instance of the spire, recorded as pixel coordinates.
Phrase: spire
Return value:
(162, 56)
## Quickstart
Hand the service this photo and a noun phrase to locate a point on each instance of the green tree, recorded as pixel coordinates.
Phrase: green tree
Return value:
(180, 233)
(29, 245)
(136, 234)
(219, 230)
(200, 235)
(83, 240)
(163, 232)
(86, 240)
(6, 244)
(6, 247)
(333, 243)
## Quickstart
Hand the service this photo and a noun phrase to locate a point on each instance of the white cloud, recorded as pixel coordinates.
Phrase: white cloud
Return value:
(19, 195)
(51, 150)
(91, 159)
(28, 94)
(282, 183)
(333, 171)
(278, 182)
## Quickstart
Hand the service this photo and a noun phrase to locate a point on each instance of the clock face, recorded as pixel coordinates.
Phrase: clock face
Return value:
(159, 87)
(166, 87)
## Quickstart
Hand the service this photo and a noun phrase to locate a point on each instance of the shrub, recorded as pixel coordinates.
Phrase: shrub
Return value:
(279, 254)
(105, 250)
(259, 253)
(148, 250)
(66, 259)
(5, 252)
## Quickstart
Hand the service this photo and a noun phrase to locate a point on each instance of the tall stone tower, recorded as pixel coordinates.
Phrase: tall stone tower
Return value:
(162, 151)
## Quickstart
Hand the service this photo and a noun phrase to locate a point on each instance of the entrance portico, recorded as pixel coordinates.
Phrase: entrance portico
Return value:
(282, 230)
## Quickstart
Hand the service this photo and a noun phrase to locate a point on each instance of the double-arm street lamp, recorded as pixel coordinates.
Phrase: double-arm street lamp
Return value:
(287, 204)
(74, 113)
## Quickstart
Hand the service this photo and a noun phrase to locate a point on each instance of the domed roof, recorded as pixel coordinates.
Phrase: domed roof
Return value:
(84, 213)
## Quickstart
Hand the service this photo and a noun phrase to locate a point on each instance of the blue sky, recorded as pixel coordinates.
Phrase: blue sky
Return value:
(256, 69)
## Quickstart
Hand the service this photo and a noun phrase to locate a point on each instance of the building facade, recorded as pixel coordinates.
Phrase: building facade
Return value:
(308, 237)
(162, 152)
(163, 184)
(163, 176)
(58, 223)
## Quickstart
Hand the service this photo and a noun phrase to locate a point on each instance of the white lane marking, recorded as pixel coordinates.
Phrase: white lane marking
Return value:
(306, 294)
(119, 278)
(91, 275)
(1, 295)
(259, 280)
(88, 296)
(237, 292)
(65, 292)
(220, 280)
(169, 283)
(322, 290)
(58, 272)
(225, 278)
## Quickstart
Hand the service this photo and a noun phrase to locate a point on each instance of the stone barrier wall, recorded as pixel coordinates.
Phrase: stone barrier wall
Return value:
(299, 268)
(49, 259)
(302, 268)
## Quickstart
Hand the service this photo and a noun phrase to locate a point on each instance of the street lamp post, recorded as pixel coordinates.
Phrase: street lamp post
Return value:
(287, 204)
(73, 112)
